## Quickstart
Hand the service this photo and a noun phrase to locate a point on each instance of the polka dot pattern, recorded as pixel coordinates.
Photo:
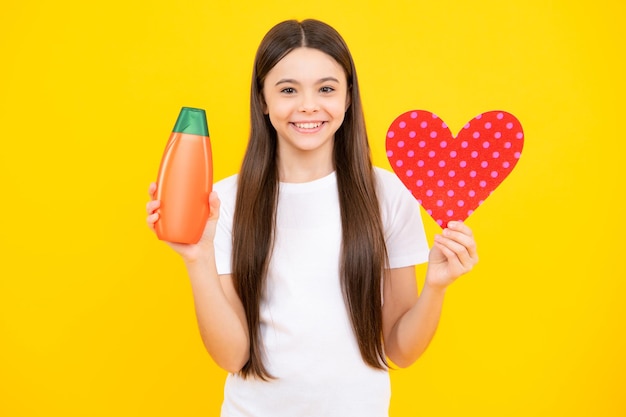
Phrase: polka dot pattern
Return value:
(450, 176)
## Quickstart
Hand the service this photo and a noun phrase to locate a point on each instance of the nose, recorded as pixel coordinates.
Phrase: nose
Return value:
(308, 104)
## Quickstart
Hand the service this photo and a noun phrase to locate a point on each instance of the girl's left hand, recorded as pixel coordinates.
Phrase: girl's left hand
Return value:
(452, 255)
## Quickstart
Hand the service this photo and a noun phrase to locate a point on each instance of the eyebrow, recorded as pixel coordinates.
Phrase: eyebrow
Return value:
(292, 81)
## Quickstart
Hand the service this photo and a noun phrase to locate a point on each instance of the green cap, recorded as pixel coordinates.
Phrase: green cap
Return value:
(192, 121)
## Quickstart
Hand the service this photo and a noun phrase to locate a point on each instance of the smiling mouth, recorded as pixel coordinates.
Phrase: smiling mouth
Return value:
(308, 125)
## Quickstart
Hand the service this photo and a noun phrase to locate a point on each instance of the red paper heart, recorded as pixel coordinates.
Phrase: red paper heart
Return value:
(451, 176)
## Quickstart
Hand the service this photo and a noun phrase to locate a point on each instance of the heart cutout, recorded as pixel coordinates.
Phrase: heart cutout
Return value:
(450, 176)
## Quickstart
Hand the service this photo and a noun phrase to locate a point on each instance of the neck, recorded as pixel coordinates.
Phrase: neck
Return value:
(304, 168)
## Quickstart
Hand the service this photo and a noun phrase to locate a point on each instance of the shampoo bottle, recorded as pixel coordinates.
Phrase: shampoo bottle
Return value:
(185, 179)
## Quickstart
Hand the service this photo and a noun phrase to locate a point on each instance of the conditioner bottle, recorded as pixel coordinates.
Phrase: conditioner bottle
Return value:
(185, 179)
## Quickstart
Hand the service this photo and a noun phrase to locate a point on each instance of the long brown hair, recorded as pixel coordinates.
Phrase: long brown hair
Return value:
(364, 255)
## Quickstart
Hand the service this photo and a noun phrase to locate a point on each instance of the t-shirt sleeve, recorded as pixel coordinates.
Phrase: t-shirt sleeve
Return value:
(226, 191)
(404, 230)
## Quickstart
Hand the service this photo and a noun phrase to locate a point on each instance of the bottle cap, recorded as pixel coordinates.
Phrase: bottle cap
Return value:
(192, 121)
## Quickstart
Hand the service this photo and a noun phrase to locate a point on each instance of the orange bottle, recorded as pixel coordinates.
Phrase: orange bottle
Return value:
(185, 179)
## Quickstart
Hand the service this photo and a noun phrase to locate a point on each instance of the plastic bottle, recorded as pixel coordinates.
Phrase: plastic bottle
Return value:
(185, 179)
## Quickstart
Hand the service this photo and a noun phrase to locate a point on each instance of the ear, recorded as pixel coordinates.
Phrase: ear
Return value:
(263, 104)
(348, 98)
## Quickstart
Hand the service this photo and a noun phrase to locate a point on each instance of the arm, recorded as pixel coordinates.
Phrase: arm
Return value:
(220, 313)
(409, 320)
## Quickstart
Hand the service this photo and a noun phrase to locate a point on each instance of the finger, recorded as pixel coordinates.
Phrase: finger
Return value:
(152, 206)
(459, 226)
(151, 220)
(214, 206)
(463, 235)
(152, 190)
(455, 251)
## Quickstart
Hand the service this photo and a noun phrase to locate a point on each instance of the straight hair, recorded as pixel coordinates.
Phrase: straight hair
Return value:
(363, 252)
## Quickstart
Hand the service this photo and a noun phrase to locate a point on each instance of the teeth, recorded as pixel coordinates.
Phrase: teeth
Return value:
(308, 125)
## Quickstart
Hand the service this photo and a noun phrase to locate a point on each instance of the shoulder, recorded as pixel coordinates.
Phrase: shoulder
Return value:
(389, 185)
(226, 190)
(227, 184)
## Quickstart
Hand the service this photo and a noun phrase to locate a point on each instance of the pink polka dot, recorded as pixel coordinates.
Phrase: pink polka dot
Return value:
(400, 144)
(443, 144)
(472, 193)
(399, 163)
(423, 125)
(450, 213)
(409, 173)
(519, 135)
(450, 193)
(429, 193)
(420, 163)
(483, 184)
(390, 134)
(440, 183)
(451, 174)
(419, 183)
(453, 154)
(476, 135)
(462, 164)
(430, 173)
(461, 183)
(517, 155)
(460, 203)
(494, 174)
(440, 222)
(506, 164)
(433, 134)
(469, 212)
(473, 174)
(484, 164)
(389, 153)
(430, 212)
(402, 124)
(435, 116)
(480, 116)
(496, 154)
(442, 164)
(509, 125)
(410, 154)
(507, 145)
(466, 126)
(500, 116)
(439, 203)
(444, 125)
(419, 201)
(481, 202)
(488, 125)
(474, 154)
(464, 144)
(497, 135)
(486, 145)
(422, 144)
(414, 115)
(431, 154)
(412, 134)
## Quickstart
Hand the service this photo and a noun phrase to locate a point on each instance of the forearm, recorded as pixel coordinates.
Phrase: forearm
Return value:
(220, 315)
(414, 331)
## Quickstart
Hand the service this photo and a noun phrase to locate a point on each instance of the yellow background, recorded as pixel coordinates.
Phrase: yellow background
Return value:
(96, 315)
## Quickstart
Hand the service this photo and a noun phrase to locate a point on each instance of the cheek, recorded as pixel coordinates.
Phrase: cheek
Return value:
(277, 109)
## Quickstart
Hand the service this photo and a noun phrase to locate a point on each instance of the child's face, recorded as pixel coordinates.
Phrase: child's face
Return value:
(306, 97)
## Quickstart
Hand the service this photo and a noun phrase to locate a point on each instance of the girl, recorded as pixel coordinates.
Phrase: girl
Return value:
(304, 279)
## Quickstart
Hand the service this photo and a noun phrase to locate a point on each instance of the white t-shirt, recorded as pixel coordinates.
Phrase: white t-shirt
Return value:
(308, 340)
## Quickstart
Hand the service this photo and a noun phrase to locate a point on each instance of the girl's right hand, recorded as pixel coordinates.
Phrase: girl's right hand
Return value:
(189, 252)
